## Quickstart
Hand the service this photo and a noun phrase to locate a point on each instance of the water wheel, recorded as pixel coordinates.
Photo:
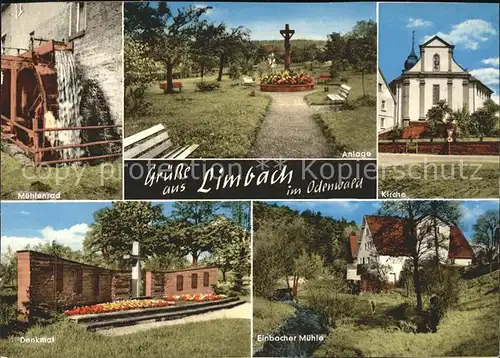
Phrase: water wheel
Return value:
(36, 96)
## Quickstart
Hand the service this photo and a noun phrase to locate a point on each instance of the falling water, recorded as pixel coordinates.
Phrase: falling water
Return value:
(70, 89)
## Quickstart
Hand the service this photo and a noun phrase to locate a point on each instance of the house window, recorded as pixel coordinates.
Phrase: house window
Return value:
(77, 18)
(435, 94)
(206, 279)
(95, 284)
(180, 282)
(380, 87)
(19, 9)
(382, 105)
(77, 281)
(363, 260)
(59, 277)
(194, 280)
(436, 63)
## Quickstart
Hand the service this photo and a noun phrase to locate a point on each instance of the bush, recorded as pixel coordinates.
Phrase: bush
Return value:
(344, 79)
(329, 298)
(136, 102)
(365, 101)
(8, 317)
(326, 89)
(207, 86)
(234, 72)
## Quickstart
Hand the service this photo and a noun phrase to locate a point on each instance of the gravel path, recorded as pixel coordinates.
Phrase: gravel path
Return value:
(241, 311)
(288, 131)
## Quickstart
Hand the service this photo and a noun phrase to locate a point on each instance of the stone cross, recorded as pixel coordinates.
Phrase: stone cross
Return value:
(287, 35)
(136, 268)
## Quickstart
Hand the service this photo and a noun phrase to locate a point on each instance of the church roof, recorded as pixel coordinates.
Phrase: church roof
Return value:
(388, 234)
(436, 37)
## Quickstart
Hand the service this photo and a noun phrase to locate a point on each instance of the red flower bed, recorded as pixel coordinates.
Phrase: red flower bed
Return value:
(198, 297)
(117, 306)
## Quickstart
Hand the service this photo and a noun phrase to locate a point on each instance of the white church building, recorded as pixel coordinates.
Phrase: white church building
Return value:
(434, 76)
(381, 241)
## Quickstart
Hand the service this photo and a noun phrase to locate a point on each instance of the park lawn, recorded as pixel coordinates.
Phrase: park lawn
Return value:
(93, 182)
(438, 182)
(223, 122)
(318, 97)
(350, 130)
(469, 329)
(217, 338)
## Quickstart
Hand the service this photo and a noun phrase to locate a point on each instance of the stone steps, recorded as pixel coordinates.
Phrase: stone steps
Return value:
(126, 318)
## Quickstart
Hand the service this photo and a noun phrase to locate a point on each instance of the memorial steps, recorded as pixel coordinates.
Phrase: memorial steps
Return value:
(100, 321)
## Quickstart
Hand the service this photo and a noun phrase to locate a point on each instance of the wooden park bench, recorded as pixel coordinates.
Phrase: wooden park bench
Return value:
(247, 81)
(154, 142)
(164, 85)
(341, 96)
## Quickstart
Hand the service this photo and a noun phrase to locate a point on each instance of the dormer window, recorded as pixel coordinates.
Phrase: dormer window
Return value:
(436, 62)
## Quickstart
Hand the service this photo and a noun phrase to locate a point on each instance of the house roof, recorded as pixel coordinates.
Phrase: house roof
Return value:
(353, 244)
(388, 237)
(459, 246)
(387, 234)
(386, 84)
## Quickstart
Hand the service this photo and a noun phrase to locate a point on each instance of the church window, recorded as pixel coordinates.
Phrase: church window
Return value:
(435, 94)
(436, 62)
(380, 87)
(383, 105)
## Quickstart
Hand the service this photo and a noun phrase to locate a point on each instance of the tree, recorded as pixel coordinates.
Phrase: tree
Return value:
(190, 228)
(240, 212)
(486, 232)
(485, 119)
(436, 116)
(335, 51)
(418, 227)
(306, 265)
(204, 48)
(233, 44)
(8, 267)
(116, 227)
(232, 249)
(168, 35)
(361, 48)
(447, 212)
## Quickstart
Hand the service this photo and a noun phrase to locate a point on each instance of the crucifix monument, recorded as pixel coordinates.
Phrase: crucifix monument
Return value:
(287, 35)
(136, 269)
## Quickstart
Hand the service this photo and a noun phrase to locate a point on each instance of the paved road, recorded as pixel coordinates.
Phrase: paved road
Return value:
(390, 159)
(242, 311)
(288, 130)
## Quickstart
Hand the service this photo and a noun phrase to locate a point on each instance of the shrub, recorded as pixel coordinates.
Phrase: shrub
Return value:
(234, 72)
(135, 101)
(365, 101)
(326, 89)
(344, 79)
(329, 298)
(207, 86)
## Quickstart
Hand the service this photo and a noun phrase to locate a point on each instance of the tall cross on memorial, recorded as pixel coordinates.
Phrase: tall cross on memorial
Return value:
(287, 35)
(136, 268)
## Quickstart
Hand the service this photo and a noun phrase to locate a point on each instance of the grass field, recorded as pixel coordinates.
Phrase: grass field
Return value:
(354, 81)
(338, 128)
(99, 182)
(436, 180)
(223, 122)
(268, 315)
(217, 338)
(469, 329)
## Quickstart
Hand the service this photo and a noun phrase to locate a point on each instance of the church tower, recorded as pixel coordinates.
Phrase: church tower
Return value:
(412, 57)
